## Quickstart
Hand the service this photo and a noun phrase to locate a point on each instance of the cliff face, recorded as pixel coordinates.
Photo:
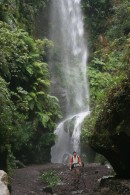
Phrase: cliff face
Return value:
(111, 135)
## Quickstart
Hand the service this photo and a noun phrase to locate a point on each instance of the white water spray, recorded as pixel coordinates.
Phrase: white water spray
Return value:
(68, 73)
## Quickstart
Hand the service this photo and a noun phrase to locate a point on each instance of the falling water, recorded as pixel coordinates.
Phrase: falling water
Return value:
(69, 75)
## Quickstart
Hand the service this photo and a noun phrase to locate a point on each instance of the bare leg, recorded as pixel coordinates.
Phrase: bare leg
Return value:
(77, 174)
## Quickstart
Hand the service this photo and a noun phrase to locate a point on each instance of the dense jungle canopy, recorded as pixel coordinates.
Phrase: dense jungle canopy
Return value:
(28, 113)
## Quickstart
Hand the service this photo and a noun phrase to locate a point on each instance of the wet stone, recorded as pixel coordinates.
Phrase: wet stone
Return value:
(77, 192)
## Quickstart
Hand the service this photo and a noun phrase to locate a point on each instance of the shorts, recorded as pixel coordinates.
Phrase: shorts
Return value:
(75, 165)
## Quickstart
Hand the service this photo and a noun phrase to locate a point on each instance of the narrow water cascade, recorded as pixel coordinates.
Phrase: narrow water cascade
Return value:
(68, 140)
(69, 74)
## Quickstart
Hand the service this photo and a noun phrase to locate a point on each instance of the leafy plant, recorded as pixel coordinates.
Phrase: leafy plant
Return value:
(28, 112)
(109, 59)
(50, 177)
(120, 25)
(13, 12)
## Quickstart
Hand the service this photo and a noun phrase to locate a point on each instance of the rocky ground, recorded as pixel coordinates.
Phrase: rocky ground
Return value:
(26, 181)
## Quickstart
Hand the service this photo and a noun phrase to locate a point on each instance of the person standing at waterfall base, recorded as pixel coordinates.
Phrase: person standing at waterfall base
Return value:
(74, 164)
(75, 161)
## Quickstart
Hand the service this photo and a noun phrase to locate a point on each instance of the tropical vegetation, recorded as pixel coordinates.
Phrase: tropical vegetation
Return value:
(109, 60)
(28, 113)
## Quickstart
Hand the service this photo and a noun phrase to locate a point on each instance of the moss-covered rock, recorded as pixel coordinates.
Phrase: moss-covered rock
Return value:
(111, 135)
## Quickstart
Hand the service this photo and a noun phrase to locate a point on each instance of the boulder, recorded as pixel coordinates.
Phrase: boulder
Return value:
(4, 183)
(111, 134)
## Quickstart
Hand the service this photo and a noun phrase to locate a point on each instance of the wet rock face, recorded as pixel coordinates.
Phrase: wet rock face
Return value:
(111, 136)
(113, 186)
(3, 183)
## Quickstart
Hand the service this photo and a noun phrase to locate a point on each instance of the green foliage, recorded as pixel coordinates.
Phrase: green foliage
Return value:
(13, 12)
(28, 113)
(50, 177)
(13, 128)
(109, 63)
(96, 14)
(11, 120)
(8, 12)
(113, 119)
(29, 9)
(105, 17)
(106, 70)
(102, 81)
(10, 161)
(119, 23)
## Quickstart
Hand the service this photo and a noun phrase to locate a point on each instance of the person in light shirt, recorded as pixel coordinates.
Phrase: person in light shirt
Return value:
(74, 164)
(75, 161)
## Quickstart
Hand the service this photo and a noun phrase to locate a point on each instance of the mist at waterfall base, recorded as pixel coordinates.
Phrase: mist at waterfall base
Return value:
(68, 74)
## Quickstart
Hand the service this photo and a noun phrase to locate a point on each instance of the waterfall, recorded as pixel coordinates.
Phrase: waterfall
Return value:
(67, 62)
